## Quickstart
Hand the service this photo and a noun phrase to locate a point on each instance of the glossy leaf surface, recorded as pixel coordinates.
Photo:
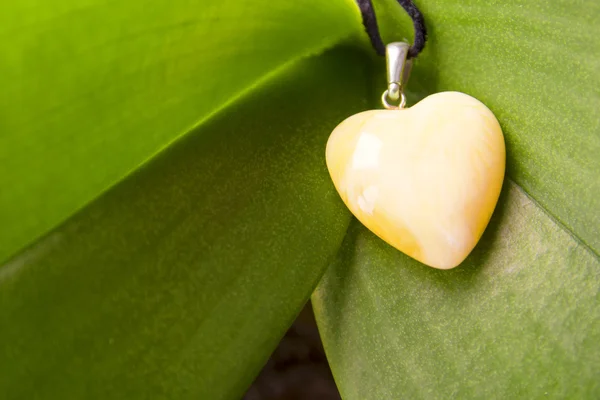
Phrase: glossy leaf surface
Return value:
(536, 65)
(179, 281)
(519, 319)
(91, 89)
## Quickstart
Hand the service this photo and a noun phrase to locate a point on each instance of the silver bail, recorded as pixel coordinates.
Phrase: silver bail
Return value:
(398, 68)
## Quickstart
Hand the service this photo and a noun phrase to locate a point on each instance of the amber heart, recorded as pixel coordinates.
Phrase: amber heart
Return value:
(424, 179)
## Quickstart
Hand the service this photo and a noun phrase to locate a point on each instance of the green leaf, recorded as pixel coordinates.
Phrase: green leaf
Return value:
(179, 281)
(91, 89)
(521, 317)
(536, 65)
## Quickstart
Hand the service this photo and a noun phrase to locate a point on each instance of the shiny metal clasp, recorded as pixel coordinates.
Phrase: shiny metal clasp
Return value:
(398, 71)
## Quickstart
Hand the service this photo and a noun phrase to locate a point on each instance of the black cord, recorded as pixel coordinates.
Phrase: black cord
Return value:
(370, 23)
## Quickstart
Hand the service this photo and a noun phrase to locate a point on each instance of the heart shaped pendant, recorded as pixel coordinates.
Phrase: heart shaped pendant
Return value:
(424, 179)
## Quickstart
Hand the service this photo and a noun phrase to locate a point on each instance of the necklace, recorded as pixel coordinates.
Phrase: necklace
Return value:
(425, 179)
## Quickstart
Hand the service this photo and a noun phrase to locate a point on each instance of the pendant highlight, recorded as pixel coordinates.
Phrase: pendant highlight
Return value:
(425, 179)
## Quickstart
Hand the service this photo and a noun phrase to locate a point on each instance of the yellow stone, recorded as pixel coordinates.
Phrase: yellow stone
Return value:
(425, 179)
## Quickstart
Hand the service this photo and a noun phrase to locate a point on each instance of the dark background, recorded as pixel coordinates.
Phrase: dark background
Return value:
(297, 369)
